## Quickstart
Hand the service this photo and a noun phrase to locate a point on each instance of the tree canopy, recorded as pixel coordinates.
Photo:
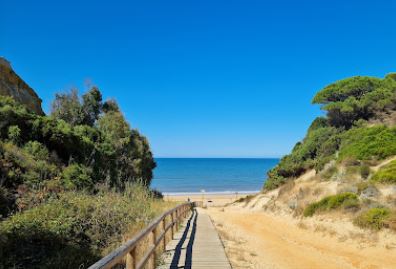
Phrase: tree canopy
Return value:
(85, 143)
(345, 131)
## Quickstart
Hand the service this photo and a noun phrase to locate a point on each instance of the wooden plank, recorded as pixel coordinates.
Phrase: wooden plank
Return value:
(197, 245)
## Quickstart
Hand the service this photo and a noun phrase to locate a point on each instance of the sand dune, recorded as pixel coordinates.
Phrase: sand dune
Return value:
(262, 240)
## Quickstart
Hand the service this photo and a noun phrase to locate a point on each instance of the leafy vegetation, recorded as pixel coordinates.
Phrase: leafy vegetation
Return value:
(74, 230)
(374, 218)
(344, 200)
(345, 133)
(386, 174)
(80, 145)
(72, 183)
(367, 143)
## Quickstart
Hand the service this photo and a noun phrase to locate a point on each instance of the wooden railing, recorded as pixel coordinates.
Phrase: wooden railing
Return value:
(127, 256)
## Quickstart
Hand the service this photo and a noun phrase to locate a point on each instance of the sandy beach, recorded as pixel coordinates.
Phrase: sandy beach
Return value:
(208, 199)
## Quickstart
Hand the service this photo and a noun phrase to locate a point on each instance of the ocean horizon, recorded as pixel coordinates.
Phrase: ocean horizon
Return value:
(182, 176)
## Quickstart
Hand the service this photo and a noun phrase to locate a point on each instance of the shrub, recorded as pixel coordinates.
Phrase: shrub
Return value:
(14, 134)
(37, 150)
(363, 185)
(77, 176)
(273, 182)
(365, 171)
(366, 143)
(319, 143)
(75, 230)
(373, 218)
(246, 199)
(386, 174)
(345, 200)
(7, 202)
(20, 167)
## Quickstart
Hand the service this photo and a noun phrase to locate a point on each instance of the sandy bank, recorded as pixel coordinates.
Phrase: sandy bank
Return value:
(263, 240)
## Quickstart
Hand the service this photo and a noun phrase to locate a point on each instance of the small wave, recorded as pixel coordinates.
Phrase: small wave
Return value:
(210, 193)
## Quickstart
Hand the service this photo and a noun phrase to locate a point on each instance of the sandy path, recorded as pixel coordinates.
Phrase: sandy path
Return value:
(261, 240)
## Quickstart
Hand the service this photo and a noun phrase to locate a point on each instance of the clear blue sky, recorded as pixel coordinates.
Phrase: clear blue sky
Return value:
(202, 78)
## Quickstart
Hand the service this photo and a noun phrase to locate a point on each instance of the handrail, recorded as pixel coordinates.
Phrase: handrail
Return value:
(127, 252)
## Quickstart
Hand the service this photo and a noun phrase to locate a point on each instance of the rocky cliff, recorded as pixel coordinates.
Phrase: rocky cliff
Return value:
(12, 85)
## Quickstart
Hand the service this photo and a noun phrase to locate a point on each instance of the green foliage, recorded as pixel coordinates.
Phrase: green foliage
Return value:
(67, 107)
(367, 143)
(110, 106)
(344, 200)
(344, 134)
(65, 186)
(37, 150)
(73, 231)
(20, 167)
(92, 105)
(101, 146)
(70, 108)
(356, 98)
(77, 176)
(386, 174)
(126, 153)
(374, 218)
(14, 134)
(320, 143)
(7, 202)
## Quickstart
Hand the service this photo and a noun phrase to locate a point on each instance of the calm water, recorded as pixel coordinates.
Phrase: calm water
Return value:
(185, 175)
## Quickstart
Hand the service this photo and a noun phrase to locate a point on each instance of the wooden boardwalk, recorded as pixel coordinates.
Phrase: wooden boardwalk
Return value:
(196, 245)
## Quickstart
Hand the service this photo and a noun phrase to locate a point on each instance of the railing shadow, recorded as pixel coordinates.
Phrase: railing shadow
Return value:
(179, 247)
(189, 248)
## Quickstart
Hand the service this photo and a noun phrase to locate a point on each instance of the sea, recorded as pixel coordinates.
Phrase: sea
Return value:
(180, 176)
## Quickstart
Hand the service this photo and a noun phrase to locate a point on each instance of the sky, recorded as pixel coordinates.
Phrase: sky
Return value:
(201, 78)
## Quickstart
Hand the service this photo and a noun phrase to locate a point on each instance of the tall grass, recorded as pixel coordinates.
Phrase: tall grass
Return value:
(77, 229)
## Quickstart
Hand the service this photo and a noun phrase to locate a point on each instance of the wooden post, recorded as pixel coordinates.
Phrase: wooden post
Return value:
(177, 220)
(163, 229)
(154, 252)
(172, 225)
(131, 259)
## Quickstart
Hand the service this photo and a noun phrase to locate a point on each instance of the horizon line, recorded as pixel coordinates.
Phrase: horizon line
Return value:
(218, 157)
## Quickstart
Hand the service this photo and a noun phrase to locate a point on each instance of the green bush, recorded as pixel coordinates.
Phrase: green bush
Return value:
(386, 174)
(344, 200)
(77, 176)
(319, 144)
(374, 218)
(37, 150)
(75, 230)
(14, 134)
(367, 143)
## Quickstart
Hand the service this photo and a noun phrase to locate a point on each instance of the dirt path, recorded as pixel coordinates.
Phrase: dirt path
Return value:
(261, 240)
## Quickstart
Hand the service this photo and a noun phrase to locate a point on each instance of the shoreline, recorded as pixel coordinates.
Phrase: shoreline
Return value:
(208, 199)
(210, 193)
